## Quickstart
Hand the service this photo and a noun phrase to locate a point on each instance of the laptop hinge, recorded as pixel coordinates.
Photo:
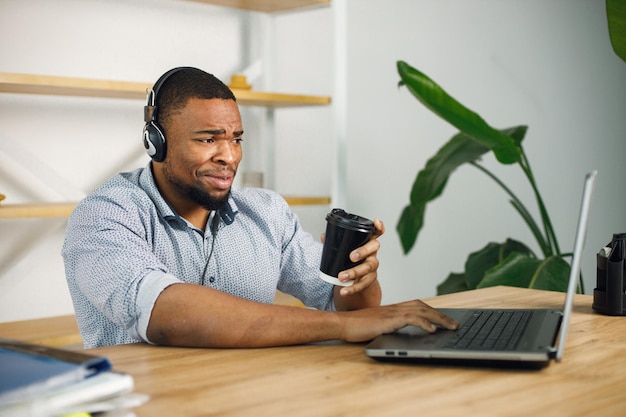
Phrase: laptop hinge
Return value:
(552, 352)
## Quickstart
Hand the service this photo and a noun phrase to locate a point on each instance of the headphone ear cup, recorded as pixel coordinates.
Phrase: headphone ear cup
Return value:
(154, 141)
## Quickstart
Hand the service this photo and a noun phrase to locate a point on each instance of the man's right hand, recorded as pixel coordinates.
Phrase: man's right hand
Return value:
(364, 325)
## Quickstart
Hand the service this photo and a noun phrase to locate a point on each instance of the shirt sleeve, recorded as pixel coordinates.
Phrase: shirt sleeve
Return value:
(110, 265)
(149, 290)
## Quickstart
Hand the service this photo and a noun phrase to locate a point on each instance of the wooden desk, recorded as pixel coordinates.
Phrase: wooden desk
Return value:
(61, 331)
(339, 380)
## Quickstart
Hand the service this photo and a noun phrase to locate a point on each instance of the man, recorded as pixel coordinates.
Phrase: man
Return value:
(171, 254)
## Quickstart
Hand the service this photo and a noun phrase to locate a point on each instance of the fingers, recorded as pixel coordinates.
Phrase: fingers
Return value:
(362, 277)
(371, 246)
(426, 317)
(365, 251)
(379, 228)
(365, 324)
(359, 284)
(364, 274)
(370, 265)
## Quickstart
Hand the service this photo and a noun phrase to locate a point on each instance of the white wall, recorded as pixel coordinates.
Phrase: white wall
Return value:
(545, 64)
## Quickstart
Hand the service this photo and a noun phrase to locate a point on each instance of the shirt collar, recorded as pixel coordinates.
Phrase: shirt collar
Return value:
(146, 180)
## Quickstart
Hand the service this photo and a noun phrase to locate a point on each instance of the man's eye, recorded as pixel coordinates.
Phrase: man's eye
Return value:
(207, 140)
(238, 140)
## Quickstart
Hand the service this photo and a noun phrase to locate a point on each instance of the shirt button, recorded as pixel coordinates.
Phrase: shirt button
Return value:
(211, 279)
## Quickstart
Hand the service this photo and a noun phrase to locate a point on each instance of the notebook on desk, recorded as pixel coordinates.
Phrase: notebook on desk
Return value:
(520, 338)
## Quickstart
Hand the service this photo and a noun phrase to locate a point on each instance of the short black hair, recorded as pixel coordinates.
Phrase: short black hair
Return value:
(185, 84)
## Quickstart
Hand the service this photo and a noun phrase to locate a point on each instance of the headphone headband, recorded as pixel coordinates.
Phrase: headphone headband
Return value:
(151, 94)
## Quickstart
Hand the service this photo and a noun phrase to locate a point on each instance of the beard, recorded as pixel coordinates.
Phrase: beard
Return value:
(202, 198)
(196, 193)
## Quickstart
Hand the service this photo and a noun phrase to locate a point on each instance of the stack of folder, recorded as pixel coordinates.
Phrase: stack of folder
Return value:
(41, 381)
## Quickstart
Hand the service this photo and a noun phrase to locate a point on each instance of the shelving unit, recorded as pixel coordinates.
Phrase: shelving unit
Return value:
(18, 83)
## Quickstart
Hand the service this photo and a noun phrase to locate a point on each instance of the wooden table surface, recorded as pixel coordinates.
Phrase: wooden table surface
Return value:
(340, 380)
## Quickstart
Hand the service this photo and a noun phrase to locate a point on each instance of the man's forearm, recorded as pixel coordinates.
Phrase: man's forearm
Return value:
(192, 315)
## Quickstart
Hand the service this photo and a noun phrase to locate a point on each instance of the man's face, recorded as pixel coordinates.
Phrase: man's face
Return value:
(203, 152)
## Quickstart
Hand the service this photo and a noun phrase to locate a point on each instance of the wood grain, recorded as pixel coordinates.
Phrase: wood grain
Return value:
(340, 380)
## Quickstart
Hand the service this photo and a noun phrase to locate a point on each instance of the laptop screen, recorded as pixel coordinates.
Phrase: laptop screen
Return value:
(579, 243)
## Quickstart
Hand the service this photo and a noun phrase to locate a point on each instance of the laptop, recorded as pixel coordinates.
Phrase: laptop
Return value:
(522, 338)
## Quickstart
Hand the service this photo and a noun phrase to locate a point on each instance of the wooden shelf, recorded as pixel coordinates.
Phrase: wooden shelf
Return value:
(24, 211)
(268, 6)
(83, 87)
(49, 210)
(307, 201)
(259, 98)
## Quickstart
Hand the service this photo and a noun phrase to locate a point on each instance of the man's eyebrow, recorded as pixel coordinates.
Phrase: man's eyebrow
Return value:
(212, 131)
(218, 132)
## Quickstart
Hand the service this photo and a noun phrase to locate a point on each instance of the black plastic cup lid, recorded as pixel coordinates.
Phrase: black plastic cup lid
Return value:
(340, 218)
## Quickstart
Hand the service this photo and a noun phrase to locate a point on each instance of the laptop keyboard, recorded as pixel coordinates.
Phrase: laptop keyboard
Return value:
(491, 330)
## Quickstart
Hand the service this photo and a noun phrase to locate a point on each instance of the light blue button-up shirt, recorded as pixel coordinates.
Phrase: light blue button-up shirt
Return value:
(124, 245)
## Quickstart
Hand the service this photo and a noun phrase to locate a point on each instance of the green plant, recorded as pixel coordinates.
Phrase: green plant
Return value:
(511, 262)
(508, 263)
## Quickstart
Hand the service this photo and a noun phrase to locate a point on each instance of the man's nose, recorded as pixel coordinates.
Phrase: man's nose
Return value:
(224, 152)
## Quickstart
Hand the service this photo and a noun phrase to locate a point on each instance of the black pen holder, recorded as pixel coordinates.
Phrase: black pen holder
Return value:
(608, 296)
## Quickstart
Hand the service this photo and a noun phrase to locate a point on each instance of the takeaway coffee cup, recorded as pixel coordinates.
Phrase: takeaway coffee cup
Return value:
(344, 233)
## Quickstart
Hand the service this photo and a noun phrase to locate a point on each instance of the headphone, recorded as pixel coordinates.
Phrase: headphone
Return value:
(153, 134)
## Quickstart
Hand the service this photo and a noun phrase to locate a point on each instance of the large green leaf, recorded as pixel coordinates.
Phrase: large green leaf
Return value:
(454, 283)
(431, 180)
(616, 19)
(479, 262)
(552, 275)
(521, 270)
(410, 223)
(464, 119)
